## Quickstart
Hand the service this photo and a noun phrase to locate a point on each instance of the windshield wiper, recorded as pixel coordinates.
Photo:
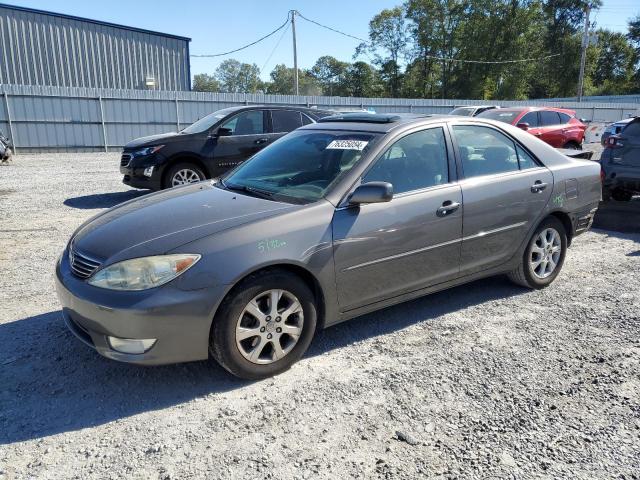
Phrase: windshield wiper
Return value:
(250, 190)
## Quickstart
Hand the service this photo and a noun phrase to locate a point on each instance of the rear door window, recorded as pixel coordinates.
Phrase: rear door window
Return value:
(548, 118)
(285, 120)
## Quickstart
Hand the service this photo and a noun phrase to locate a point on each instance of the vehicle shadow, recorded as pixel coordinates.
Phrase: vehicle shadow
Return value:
(623, 217)
(103, 200)
(52, 383)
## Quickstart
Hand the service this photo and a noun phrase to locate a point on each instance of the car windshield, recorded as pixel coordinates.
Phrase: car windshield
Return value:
(302, 166)
(205, 123)
(464, 111)
(501, 115)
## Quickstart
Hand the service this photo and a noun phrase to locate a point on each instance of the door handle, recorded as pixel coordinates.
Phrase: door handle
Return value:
(538, 186)
(260, 141)
(447, 208)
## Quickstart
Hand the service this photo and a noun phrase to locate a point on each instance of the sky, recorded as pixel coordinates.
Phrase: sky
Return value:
(216, 26)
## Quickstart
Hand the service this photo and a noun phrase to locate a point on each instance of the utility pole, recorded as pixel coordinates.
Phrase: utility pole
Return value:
(296, 89)
(583, 57)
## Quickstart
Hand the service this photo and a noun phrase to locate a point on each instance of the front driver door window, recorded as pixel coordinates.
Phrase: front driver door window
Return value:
(247, 135)
(386, 249)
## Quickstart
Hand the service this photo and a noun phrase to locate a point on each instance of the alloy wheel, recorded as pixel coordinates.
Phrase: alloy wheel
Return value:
(184, 176)
(545, 253)
(269, 327)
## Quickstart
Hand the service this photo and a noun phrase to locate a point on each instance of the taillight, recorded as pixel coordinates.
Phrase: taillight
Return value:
(602, 175)
(614, 142)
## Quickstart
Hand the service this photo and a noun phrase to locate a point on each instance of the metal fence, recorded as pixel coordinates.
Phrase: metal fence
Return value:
(86, 119)
(600, 99)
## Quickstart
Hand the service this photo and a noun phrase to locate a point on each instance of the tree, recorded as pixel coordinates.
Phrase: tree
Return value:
(237, 77)
(282, 82)
(388, 35)
(614, 64)
(203, 82)
(634, 38)
(330, 74)
(362, 80)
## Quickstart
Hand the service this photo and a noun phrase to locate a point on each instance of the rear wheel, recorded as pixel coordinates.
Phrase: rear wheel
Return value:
(264, 325)
(544, 256)
(183, 174)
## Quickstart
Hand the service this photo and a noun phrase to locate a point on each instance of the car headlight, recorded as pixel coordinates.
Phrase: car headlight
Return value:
(143, 273)
(146, 151)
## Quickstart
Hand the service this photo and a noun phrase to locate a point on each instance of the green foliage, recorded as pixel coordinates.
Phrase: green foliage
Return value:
(435, 49)
(205, 83)
(282, 82)
(329, 73)
(237, 77)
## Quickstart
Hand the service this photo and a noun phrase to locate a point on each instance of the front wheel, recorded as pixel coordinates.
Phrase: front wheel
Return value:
(183, 174)
(544, 256)
(264, 326)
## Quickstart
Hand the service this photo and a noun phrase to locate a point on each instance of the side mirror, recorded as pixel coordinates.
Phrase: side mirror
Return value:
(224, 132)
(372, 192)
(523, 125)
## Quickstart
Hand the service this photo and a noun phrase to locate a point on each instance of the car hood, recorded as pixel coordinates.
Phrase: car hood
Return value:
(157, 223)
(152, 140)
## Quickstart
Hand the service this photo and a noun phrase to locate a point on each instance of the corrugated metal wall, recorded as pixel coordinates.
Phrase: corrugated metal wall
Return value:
(74, 119)
(41, 49)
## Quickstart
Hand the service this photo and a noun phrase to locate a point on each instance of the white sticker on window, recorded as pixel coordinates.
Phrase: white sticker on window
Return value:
(347, 145)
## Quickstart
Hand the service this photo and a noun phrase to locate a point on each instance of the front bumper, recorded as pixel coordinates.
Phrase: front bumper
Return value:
(180, 320)
(134, 177)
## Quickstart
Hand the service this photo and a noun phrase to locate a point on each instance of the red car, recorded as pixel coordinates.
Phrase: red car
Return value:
(557, 126)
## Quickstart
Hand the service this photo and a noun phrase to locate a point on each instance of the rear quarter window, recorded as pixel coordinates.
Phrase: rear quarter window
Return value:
(564, 118)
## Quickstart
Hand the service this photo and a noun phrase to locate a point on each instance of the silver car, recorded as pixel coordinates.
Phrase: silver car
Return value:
(334, 220)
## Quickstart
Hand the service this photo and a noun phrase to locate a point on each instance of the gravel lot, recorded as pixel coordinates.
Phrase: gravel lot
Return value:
(482, 381)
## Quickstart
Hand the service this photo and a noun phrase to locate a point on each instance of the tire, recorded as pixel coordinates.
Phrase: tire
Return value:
(621, 195)
(255, 357)
(183, 172)
(528, 275)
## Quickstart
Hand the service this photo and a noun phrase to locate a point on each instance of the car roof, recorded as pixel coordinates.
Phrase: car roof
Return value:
(276, 107)
(625, 121)
(372, 122)
(475, 106)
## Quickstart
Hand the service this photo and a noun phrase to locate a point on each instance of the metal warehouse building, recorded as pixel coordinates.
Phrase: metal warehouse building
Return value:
(44, 48)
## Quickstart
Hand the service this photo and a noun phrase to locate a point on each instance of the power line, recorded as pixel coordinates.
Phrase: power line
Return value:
(276, 47)
(332, 29)
(286, 22)
(496, 62)
(432, 57)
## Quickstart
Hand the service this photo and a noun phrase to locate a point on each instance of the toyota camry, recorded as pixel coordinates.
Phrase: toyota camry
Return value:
(336, 219)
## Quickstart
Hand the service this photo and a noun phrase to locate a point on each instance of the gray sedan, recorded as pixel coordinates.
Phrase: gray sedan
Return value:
(336, 219)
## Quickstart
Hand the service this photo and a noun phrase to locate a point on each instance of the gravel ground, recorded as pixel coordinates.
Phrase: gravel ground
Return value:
(482, 381)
